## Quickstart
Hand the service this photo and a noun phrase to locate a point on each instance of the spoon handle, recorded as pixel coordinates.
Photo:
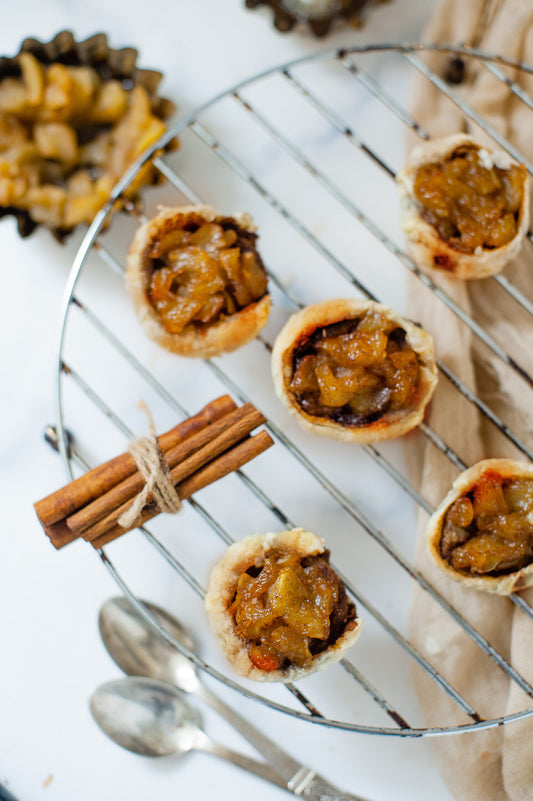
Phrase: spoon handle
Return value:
(203, 743)
(283, 762)
(318, 789)
(296, 778)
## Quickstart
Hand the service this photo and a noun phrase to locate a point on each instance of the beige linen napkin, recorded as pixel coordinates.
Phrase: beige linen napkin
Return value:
(497, 764)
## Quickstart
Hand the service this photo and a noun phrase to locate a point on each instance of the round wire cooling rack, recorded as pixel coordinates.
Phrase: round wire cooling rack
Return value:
(285, 146)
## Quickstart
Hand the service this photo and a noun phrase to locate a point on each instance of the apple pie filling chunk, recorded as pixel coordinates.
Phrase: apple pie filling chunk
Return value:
(489, 530)
(203, 272)
(471, 201)
(67, 134)
(290, 609)
(355, 371)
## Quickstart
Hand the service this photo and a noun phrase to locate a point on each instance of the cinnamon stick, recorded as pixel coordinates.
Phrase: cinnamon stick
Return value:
(183, 461)
(218, 468)
(59, 534)
(94, 483)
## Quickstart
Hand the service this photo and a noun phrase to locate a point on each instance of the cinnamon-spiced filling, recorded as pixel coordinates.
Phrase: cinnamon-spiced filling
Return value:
(471, 202)
(289, 609)
(67, 134)
(355, 371)
(489, 530)
(203, 272)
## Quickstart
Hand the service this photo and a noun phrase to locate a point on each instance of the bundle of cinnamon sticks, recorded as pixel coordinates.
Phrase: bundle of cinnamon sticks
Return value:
(196, 452)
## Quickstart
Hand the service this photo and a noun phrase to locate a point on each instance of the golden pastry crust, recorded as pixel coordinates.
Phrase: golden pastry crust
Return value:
(391, 424)
(224, 335)
(221, 591)
(463, 484)
(426, 247)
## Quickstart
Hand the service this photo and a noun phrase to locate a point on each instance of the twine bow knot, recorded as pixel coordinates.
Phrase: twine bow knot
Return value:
(158, 484)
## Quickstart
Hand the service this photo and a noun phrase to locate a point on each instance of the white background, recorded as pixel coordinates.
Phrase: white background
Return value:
(51, 656)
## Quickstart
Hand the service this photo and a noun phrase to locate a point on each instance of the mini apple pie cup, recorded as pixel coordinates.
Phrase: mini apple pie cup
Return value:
(482, 533)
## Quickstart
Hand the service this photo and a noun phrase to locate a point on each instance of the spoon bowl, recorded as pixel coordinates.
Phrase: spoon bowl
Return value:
(152, 718)
(139, 650)
(145, 716)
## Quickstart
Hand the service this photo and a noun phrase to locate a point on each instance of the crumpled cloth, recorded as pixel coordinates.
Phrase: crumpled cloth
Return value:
(496, 764)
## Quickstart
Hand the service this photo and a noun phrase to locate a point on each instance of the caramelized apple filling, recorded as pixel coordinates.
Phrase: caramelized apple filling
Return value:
(290, 609)
(66, 137)
(490, 530)
(203, 272)
(355, 371)
(470, 201)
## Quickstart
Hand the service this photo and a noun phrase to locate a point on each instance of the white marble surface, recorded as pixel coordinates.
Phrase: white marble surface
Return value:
(51, 656)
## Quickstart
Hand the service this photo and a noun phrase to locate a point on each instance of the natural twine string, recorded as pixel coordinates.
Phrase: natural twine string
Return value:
(158, 484)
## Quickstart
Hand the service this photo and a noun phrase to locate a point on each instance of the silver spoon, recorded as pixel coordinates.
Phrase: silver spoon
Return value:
(152, 718)
(139, 650)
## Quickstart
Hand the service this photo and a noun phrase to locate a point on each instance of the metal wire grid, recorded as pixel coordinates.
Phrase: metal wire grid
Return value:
(216, 146)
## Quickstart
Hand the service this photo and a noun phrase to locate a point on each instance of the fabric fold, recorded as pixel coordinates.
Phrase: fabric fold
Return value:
(494, 764)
